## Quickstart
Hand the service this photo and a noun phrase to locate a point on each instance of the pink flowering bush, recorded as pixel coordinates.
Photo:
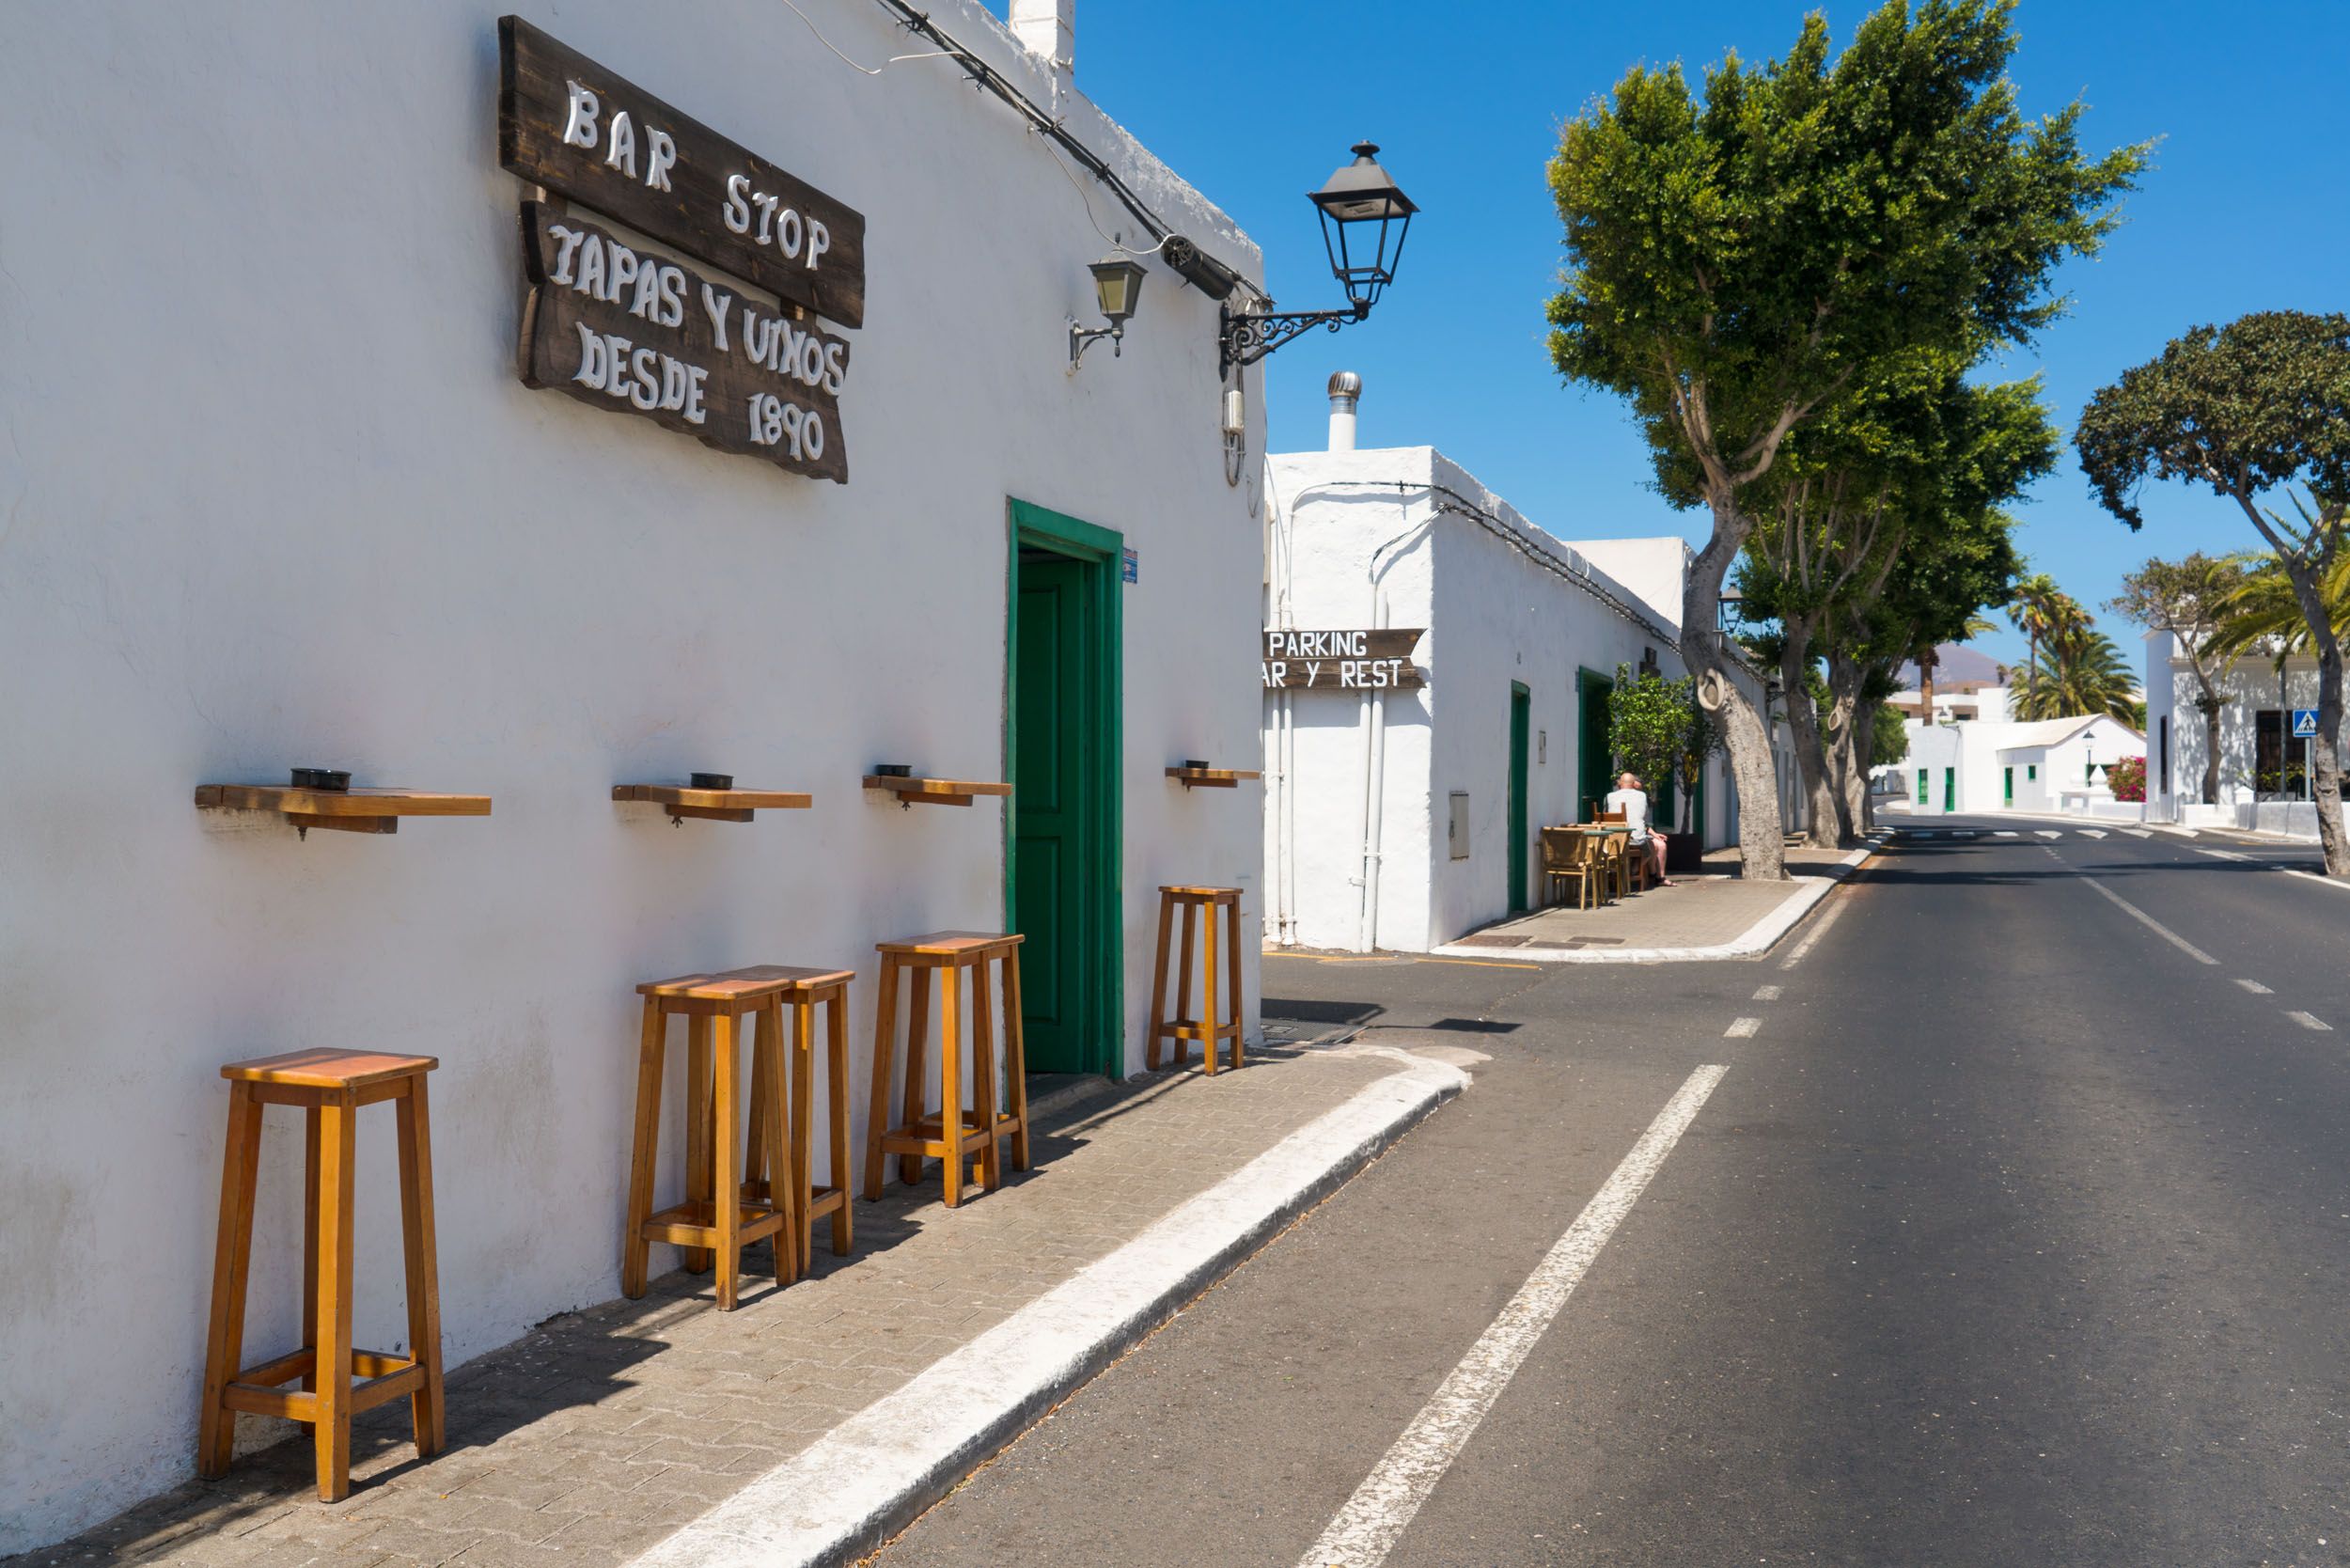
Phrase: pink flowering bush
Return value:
(2127, 779)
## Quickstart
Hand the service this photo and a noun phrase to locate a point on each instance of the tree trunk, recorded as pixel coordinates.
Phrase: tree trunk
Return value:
(1856, 740)
(2210, 706)
(1761, 843)
(2326, 757)
(1824, 805)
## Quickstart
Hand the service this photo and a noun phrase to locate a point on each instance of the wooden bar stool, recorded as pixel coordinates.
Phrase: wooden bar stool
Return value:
(712, 1006)
(953, 1131)
(1167, 1022)
(331, 1085)
(807, 990)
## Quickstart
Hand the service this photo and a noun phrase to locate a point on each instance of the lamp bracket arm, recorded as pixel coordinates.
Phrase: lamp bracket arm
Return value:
(1248, 335)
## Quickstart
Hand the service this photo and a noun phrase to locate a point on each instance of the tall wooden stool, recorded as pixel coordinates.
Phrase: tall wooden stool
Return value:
(713, 1006)
(1194, 906)
(808, 989)
(331, 1085)
(953, 1132)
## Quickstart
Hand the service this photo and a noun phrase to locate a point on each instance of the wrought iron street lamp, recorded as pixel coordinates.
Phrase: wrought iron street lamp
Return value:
(1364, 220)
(1117, 287)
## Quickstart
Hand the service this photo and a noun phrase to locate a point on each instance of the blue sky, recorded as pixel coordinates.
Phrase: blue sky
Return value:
(2247, 208)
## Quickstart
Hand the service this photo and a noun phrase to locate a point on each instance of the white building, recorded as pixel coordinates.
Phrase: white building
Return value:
(2264, 767)
(1400, 816)
(276, 495)
(2042, 766)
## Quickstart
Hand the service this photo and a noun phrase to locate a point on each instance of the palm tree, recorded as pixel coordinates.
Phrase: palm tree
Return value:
(2084, 673)
(2029, 609)
(2052, 618)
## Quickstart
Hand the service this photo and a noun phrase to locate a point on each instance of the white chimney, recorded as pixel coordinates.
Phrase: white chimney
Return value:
(1346, 389)
(1048, 30)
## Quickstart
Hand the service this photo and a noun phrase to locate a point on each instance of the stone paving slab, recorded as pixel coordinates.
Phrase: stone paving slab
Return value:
(603, 1431)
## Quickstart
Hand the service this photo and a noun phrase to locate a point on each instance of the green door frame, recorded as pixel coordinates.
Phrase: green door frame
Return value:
(1950, 788)
(2007, 787)
(1590, 684)
(1102, 977)
(1924, 775)
(1520, 787)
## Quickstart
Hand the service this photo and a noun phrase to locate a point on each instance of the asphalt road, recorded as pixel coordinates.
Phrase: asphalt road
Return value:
(2016, 1232)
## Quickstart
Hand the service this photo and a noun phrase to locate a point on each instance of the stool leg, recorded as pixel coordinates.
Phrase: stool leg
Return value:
(425, 1413)
(333, 1425)
(698, 1177)
(983, 1075)
(949, 1078)
(1208, 913)
(1158, 983)
(313, 1121)
(1016, 1060)
(756, 1183)
(1186, 913)
(772, 1136)
(635, 1249)
(884, 1054)
(917, 1067)
(803, 1059)
(726, 1183)
(836, 1041)
(1232, 1010)
(216, 1431)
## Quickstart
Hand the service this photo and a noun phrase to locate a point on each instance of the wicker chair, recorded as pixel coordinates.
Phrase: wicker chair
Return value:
(1567, 860)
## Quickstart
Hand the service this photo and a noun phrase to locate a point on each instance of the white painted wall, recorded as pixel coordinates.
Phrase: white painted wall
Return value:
(2252, 685)
(1495, 615)
(274, 496)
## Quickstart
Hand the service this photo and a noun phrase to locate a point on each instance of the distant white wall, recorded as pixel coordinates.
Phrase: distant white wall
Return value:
(271, 495)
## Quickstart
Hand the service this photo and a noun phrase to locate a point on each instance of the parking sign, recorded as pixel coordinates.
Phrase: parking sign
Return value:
(2305, 723)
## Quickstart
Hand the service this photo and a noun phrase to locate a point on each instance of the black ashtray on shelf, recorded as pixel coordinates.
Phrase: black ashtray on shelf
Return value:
(335, 779)
(1195, 764)
(714, 781)
(893, 770)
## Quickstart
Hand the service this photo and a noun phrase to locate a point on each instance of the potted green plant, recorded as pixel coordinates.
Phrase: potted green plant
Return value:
(1656, 729)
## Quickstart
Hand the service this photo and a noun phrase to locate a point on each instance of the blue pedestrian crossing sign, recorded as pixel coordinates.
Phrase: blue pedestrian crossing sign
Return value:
(2305, 723)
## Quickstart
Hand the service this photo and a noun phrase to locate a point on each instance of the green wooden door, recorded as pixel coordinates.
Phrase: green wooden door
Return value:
(2007, 787)
(1051, 829)
(1950, 788)
(1520, 713)
(1593, 755)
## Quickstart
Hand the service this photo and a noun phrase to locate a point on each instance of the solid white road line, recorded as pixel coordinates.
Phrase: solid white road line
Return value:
(1766, 993)
(2047, 833)
(2308, 1022)
(2137, 833)
(1835, 912)
(2197, 955)
(2092, 832)
(2308, 876)
(1742, 1028)
(2256, 988)
(1374, 1519)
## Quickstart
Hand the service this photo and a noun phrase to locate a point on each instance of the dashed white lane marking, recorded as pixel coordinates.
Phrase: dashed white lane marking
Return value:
(1742, 1028)
(2255, 987)
(2047, 833)
(1835, 912)
(2003, 833)
(2137, 832)
(1766, 993)
(1376, 1517)
(2197, 955)
(2221, 855)
(2309, 1021)
(2092, 832)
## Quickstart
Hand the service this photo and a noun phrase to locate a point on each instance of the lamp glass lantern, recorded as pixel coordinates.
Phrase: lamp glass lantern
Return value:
(1364, 219)
(1117, 288)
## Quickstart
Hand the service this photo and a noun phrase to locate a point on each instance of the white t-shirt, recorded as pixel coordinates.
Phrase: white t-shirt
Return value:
(1634, 805)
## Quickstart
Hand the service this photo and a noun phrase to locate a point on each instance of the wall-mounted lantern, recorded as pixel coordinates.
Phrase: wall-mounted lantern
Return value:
(1116, 286)
(1364, 219)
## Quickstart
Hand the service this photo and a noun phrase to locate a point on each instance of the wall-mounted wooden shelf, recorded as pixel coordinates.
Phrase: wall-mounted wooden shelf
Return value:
(343, 811)
(1212, 778)
(933, 792)
(717, 806)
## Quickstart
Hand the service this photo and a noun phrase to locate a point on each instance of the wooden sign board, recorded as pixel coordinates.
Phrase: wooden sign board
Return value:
(571, 125)
(637, 333)
(1343, 661)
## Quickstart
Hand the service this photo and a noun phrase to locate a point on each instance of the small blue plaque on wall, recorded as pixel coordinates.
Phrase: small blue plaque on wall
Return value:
(1130, 566)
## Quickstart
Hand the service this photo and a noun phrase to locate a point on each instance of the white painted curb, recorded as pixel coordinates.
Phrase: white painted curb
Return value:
(1755, 940)
(873, 1474)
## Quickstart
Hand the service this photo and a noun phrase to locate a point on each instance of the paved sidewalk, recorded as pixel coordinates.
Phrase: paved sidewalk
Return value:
(1711, 915)
(602, 1432)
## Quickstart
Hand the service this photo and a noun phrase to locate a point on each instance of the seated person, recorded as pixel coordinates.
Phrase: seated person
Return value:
(1631, 798)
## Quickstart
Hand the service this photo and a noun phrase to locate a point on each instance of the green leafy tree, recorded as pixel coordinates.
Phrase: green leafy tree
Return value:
(2254, 410)
(2187, 599)
(1656, 729)
(1736, 260)
(1889, 736)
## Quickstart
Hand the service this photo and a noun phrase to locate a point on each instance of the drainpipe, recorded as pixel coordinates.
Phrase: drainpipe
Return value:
(1374, 800)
